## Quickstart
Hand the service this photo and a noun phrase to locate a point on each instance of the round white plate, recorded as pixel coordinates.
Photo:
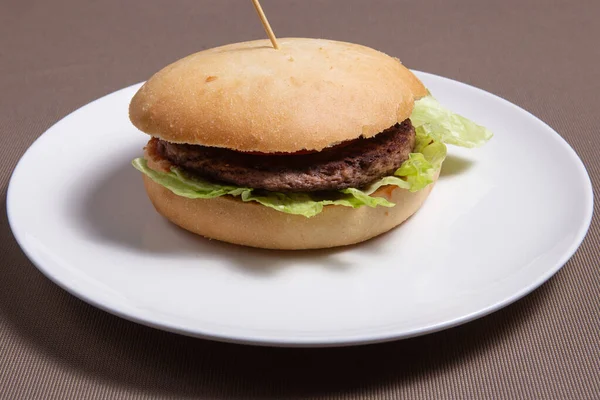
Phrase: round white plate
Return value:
(501, 221)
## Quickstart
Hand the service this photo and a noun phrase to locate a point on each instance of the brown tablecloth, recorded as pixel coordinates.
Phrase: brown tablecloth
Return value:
(55, 56)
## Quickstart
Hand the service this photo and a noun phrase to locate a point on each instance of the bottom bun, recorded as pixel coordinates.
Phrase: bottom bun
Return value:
(251, 224)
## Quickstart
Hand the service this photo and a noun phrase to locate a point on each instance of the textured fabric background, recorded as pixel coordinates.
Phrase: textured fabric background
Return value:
(56, 56)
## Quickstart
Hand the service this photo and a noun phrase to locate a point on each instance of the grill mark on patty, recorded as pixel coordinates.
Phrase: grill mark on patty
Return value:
(355, 163)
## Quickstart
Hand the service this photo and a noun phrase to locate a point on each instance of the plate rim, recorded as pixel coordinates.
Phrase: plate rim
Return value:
(299, 341)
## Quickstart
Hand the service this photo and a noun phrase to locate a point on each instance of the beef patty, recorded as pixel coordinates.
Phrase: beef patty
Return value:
(356, 163)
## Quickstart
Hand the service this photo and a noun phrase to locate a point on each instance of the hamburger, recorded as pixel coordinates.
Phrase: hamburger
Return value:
(317, 144)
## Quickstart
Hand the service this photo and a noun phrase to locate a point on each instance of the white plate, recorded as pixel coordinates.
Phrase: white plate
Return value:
(501, 221)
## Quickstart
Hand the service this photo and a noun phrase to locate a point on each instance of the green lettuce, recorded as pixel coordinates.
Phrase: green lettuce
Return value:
(442, 125)
(434, 126)
(292, 203)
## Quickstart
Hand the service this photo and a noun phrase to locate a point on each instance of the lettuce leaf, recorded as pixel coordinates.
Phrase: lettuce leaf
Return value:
(442, 125)
(292, 203)
(434, 126)
(414, 174)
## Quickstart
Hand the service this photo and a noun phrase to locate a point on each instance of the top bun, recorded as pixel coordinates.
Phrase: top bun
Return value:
(308, 95)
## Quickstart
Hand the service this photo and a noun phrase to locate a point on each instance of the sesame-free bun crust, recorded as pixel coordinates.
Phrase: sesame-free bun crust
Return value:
(251, 224)
(309, 94)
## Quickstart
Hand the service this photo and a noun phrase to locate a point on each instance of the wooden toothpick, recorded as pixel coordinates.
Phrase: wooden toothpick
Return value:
(265, 22)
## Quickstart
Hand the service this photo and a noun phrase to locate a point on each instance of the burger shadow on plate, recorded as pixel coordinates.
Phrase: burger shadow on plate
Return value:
(116, 211)
(455, 165)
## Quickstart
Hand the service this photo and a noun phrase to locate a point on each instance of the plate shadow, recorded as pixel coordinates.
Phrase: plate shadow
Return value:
(67, 331)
